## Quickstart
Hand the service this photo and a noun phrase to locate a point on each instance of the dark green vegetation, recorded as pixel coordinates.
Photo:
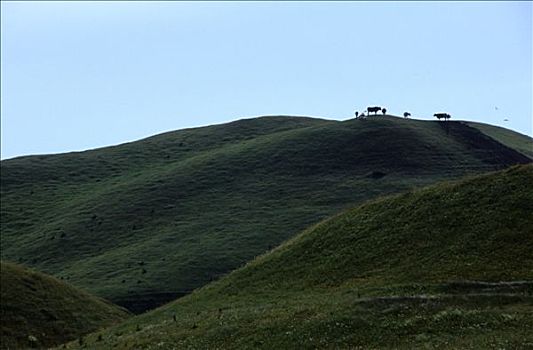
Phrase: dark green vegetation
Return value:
(40, 311)
(519, 142)
(145, 222)
(447, 266)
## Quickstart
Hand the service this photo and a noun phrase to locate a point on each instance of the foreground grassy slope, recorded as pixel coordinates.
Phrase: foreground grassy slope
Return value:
(40, 311)
(147, 221)
(448, 266)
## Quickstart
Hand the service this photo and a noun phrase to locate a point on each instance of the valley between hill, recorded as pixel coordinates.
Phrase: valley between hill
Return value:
(447, 266)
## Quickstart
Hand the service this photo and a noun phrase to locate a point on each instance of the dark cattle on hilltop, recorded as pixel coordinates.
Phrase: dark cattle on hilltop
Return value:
(446, 116)
(406, 114)
(374, 110)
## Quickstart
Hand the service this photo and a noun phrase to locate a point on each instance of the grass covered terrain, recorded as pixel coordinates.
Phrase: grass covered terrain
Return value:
(40, 311)
(521, 143)
(144, 222)
(447, 266)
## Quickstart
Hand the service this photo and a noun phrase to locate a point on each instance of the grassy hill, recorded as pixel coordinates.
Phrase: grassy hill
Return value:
(144, 222)
(447, 266)
(521, 143)
(40, 311)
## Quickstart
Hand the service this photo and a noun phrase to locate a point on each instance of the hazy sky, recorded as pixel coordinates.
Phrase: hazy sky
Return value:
(81, 75)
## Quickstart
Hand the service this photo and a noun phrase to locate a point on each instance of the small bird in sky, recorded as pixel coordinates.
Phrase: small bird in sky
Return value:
(496, 107)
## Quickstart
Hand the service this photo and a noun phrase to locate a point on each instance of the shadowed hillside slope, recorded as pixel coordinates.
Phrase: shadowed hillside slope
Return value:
(144, 222)
(521, 143)
(40, 311)
(447, 266)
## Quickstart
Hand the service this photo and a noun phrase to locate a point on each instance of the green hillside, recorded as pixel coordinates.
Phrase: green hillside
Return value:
(40, 311)
(447, 266)
(519, 142)
(145, 222)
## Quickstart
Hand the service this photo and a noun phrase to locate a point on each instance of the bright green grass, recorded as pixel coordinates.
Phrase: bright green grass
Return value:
(422, 269)
(40, 311)
(147, 221)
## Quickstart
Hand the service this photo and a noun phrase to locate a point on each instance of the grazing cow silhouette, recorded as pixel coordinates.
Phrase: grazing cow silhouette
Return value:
(406, 114)
(374, 110)
(446, 116)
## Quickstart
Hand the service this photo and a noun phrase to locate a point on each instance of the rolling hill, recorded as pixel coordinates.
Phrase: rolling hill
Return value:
(145, 222)
(446, 266)
(40, 311)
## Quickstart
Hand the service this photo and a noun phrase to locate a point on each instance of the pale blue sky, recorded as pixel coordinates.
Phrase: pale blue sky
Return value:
(81, 75)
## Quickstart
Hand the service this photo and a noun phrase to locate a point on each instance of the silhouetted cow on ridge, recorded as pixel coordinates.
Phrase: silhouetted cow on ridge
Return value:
(374, 110)
(446, 116)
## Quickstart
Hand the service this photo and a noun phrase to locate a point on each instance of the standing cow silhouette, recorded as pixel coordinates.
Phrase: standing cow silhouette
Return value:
(374, 109)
